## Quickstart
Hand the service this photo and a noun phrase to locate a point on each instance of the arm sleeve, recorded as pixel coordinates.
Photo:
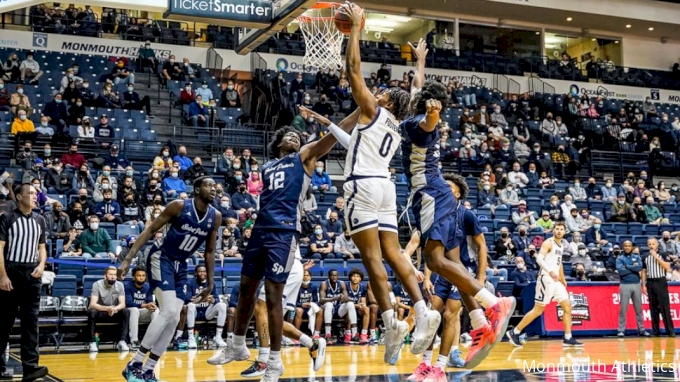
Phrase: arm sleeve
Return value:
(342, 137)
(4, 227)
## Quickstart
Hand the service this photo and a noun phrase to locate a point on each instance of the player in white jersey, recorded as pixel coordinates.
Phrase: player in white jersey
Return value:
(550, 285)
(370, 198)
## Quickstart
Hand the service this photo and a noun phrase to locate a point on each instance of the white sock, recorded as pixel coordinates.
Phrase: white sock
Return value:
(317, 333)
(190, 333)
(441, 361)
(567, 336)
(179, 334)
(421, 308)
(239, 342)
(328, 329)
(218, 332)
(150, 364)
(230, 335)
(477, 319)
(263, 354)
(364, 332)
(515, 331)
(388, 318)
(306, 341)
(274, 357)
(427, 357)
(486, 298)
(453, 347)
(354, 331)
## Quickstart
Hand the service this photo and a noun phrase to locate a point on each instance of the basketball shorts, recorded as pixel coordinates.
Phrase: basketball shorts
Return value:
(340, 310)
(435, 214)
(445, 290)
(292, 287)
(167, 274)
(207, 313)
(370, 202)
(548, 289)
(270, 254)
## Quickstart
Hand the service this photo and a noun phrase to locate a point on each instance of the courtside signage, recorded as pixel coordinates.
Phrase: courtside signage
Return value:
(237, 10)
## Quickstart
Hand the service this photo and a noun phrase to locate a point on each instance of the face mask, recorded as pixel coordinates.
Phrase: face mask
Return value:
(311, 120)
(242, 189)
(2, 86)
(643, 176)
(666, 238)
(147, 46)
(622, 201)
(131, 89)
(94, 226)
(57, 100)
(674, 188)
(521, 267)
(483, 110)
(165, 153)
(237, 167)
(230, 87)
(173, 174)
(307, 98)
(522, 233)
(318, 232)
(156, 215)
(204, 86)
(224, 204)
(106, 173)
(48, 151)
(20, 91)
(86, 86)
(466, 113)
(577, 185)
(466, 146)
(487, 188)
(497, 110)
(129, 173)
(106, 186)
(596, 226)
(157, 202)
(111, 282)
(22, 117)
(172, 60)
(582, 252)
(580, 273)
(306, 283)
(609, 185)
(238, 178)
(504, 235)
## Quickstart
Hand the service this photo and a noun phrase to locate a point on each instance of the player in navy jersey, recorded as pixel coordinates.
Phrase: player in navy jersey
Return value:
(308, 306)
(187, 224)
(357, 293)
(334, 297)
(270, 253)
(434, 208)
(139, 301)
(207, 309)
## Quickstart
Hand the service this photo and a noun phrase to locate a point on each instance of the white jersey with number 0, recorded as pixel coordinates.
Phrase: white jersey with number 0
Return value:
(553, 259)
(372, 146)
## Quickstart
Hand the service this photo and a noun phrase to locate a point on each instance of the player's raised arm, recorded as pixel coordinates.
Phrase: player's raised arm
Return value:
(420, 52)
(340, 132)
(172, 210)
(362, 95)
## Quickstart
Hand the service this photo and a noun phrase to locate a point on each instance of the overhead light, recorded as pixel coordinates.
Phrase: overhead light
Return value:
(569, 19)
(378, 29)
(538, 32)
(594, 39)
(616, 42)
(651, 28)
(400, 19)
(382, 23)
(628, 25)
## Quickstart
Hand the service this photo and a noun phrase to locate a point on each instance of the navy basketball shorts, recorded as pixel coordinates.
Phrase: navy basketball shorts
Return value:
(167, 274)
(270, 254)
(434, 211)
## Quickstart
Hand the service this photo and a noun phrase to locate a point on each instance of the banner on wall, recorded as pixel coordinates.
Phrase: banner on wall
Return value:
(595, 310)
(255, 12)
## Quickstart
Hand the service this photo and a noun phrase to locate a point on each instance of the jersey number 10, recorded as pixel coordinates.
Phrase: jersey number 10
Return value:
(276, 180)
(188, 243)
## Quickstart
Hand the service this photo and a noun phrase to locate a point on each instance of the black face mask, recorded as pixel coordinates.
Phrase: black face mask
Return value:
(157, 202)
(532, 252)
(522, 233)
(580, 273)
(83, 197)
(27, 149)
(504, 235)
(129, 201)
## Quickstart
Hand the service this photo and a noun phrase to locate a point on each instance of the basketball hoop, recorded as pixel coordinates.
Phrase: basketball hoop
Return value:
(322, 39)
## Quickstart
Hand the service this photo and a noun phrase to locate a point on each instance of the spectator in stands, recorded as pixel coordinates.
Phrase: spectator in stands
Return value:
(22, 128)
(108, 210)
(482, 119)
(4, 96)
(509, 196)
(172, 70)
(225, 161)
(668, 246)
(255, 185)
(225, 208)
(640, 189)
(544, 222)
(521, 150)
(629, 265)
(597, 238)
(162, 162)
(344, 246)
(323, 107)
(131, 211)
(87, 95)
(504, 246)
(227, 247)
(561, 161)
(662, 194)
(580, 272)
(297, 89)
(321, 181)
(76, 112)
(107, 304)
(532, 177)
(648, 109)
(593, 67)
(621, 211)
(86, 131)
(516, 177)
(554, 208)
(593, 190)
(131, 100)
(198, 113)
(487, 197)
(108, 97)
(447, 42)
(189, 73)
(652, 212)
(57, 113)
(116, 160)
(182, 159)
(608, 192)
(147, 58)
(187, 95)
(242, 242)
(10, 68)
(58, 181)
(96, 241)
(567, 67)
(127, 184)
(121, 73)
(520, 275)
(71, 93)
(333, 227)
(523, 218)
(195, 171)
(72, 247)
(234, 178)
(243, 203)
(205, 92)
(464, 98)
(498, 117)
(230, 96)
(173, 184)
(83, 179)
(139, 303)
(384, 74)
(78, 218)
(575, 222)
(30, 69)
(581, 256)
(47, 157)
(57, 221)
(320, 245)
(248, 163)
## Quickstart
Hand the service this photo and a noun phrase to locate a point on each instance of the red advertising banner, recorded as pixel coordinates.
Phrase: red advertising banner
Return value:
(596, 308)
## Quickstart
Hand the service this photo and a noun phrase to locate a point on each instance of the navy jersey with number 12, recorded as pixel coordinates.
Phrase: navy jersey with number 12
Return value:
(285, 184)
(186, 233)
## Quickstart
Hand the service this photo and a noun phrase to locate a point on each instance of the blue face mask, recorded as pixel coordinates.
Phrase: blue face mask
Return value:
(57, 100)
(596, 226)
(318, 232)
(238, 178)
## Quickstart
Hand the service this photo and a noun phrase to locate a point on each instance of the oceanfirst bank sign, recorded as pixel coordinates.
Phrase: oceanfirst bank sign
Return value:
(252, 11)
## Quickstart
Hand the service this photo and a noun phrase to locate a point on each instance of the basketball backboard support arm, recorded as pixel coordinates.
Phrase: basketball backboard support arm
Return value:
(285, 11)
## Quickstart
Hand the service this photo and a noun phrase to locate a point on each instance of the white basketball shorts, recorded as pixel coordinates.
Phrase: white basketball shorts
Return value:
(370, 202)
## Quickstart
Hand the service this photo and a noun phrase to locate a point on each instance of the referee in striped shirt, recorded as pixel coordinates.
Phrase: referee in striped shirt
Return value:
(22, 244)
(655, 285)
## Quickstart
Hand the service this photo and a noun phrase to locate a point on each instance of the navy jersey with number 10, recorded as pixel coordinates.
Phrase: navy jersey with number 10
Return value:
(285, 184)
(186, 233)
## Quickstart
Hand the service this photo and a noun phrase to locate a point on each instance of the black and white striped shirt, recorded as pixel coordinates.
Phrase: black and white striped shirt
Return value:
(654, 269)
(22, 235)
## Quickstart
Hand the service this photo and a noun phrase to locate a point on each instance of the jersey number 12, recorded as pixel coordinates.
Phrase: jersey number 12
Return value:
(276, 180)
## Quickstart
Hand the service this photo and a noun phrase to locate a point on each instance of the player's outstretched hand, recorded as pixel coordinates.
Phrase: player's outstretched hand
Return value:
(355, 13)
(420, 50)
(318, 117)
(433, 106)
(308, 265)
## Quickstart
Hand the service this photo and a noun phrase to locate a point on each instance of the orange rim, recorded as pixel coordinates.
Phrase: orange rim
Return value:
(321, 5)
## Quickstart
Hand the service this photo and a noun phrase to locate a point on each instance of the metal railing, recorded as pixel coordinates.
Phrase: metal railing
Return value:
(214, 139)
(537, 85)
(506, 85)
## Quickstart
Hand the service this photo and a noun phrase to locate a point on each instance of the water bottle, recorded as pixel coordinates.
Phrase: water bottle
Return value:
(96, 339)
(256, 342)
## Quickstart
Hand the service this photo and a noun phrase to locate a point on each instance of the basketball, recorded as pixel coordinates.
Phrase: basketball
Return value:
(343, 22)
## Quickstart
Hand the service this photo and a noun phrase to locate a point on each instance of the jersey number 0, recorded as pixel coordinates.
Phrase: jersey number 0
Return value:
(386, 145)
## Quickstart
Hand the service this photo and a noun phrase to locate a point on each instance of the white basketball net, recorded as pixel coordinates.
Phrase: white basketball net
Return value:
(322, 39)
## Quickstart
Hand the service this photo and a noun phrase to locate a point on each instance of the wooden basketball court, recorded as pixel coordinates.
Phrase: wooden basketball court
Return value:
(601, 359)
